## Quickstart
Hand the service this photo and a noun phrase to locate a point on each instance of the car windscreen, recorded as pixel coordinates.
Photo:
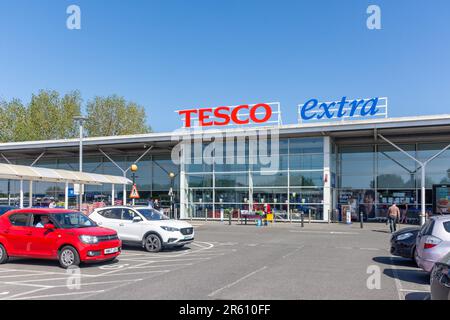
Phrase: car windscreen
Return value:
(151, 214)
(71, 220)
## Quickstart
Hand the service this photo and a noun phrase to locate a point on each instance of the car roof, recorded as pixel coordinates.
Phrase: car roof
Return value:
(41, 210)
(441, 217)
(123, 207)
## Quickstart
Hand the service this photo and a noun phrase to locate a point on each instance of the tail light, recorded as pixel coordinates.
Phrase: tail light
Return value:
(431, 242)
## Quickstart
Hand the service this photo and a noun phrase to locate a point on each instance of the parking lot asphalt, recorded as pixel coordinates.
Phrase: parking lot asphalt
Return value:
(281, 261)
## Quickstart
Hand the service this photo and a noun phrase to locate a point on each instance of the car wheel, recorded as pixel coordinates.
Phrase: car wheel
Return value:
(3, 255)
(152, 243)
(68, 257)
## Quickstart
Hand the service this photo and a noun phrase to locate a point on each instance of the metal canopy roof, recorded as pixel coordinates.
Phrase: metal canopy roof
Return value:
(18, 172)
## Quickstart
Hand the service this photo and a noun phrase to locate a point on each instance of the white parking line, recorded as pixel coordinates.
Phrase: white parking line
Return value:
(292, 252)
(26, 284)
(236, 282)
(99, 283)
(23, 294)
(398, 283)
(324, 232)
(60, 294)
(26, 275)
(160, 266)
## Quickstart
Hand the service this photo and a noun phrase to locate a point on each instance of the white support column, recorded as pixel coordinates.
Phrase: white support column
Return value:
(66, 196)
(113, 196)
(31, 194)
(327, 196)
(21, 195)
(423, 209)
(124, 194)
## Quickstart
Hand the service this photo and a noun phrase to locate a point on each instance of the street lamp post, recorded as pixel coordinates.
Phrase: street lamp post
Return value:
(172, 178)
(80, 119)
(133, 169)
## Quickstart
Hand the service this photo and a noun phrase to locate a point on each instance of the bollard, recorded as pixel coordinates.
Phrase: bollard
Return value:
(309, 216)
(302, 219)
(206, 214)
(229, 218)
(361, 220)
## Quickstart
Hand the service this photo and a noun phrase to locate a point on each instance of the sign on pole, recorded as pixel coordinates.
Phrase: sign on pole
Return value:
(78, 189)
(134, 194)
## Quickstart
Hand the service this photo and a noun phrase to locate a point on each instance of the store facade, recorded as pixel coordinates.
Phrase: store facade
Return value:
(321, 167)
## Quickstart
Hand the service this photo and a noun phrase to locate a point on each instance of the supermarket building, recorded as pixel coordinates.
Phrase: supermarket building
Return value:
(362, 163)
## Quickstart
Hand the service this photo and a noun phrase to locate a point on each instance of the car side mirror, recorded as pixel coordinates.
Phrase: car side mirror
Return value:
(137, 219)
(49, 226)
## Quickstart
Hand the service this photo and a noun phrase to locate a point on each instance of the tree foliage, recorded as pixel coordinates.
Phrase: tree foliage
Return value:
(49, 116)
(113, 115)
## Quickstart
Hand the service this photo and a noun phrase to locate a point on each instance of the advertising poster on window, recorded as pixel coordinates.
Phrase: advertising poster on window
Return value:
(441, 199)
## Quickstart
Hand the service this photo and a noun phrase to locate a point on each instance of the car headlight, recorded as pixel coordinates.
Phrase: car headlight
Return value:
(89, 239)
(404, 236)
(171, 229)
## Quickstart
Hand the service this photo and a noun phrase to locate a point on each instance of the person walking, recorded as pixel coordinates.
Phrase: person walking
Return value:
(393, 216)
(404, 211)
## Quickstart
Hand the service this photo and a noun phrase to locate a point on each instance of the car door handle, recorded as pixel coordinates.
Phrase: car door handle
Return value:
(29, 233)
(121, 224)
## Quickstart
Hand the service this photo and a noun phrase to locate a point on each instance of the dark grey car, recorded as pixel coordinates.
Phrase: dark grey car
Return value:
(440, 279)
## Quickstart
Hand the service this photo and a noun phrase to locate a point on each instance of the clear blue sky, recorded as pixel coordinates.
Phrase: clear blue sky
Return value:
(167, 55)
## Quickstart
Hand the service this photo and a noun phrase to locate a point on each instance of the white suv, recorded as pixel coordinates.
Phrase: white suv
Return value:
(144, 226)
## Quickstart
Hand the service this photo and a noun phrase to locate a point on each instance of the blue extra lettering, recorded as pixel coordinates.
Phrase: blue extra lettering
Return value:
(326, 110)
(373, 108)
(307, 108)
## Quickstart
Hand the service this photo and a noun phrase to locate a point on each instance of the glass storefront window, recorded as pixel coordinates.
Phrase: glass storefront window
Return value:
(231, 180)
(199, 180)
(305, 145)
(305, 161)
(395, 169)
(306, 195)
(273, 179)
(356, 166)
(270, 195)
(232, 195)
(306, 178)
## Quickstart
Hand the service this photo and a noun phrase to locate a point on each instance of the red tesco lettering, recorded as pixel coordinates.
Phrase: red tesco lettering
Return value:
(222, 116)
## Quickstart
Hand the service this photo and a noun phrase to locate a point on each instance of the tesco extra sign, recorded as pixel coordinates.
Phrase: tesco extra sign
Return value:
(262, 112)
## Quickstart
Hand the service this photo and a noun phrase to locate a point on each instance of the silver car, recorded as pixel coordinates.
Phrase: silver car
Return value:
(440, 279)
(433, 242)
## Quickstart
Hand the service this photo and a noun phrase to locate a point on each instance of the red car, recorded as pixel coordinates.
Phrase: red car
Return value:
(65, 235)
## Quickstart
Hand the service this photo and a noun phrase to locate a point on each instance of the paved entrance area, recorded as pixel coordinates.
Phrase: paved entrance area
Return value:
(282, 261)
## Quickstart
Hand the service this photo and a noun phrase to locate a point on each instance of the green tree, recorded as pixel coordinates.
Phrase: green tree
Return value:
(51, 117)
(113, 115)
(14, 122)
